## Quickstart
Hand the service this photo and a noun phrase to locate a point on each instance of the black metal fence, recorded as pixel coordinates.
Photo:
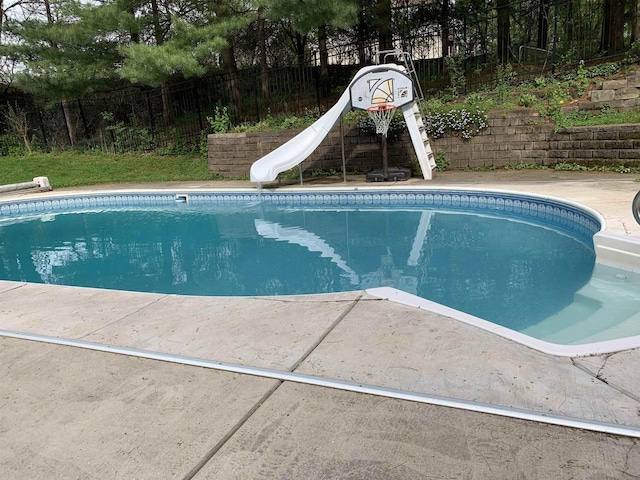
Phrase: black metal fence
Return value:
(175, 118)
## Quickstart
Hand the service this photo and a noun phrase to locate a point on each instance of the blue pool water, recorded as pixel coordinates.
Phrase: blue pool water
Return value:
(511, 260)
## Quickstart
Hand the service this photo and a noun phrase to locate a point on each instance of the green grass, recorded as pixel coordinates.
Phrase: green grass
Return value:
(608, 117)
(68, 169)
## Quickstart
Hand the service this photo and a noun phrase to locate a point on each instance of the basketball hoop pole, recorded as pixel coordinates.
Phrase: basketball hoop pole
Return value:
(382, 114)
(385, 162)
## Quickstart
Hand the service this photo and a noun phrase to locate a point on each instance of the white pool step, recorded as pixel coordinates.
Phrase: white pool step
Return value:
(605, 308)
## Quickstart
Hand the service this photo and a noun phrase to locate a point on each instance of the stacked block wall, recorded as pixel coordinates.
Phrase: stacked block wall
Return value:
(232, 154)
(513, 137)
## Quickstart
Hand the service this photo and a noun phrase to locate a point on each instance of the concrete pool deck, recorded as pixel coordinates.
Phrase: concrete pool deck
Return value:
(68, 412)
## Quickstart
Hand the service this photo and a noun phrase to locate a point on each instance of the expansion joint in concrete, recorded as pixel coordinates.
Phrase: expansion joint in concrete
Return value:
(211, 453)
(598, 376)
(324, 334)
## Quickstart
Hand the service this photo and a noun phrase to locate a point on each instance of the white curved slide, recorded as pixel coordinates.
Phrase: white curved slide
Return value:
(300, 147)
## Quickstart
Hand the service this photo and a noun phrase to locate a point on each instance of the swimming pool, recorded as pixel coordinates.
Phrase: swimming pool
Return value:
(522, 262)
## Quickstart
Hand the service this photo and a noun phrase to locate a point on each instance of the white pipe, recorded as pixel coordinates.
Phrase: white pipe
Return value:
(41, 183)
(552, 419)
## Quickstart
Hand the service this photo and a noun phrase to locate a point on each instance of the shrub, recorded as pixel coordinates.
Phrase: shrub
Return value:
(460, 122)
(221, 121)
(396, 127)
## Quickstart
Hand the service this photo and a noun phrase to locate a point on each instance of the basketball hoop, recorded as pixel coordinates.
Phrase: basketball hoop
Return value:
(381, 114)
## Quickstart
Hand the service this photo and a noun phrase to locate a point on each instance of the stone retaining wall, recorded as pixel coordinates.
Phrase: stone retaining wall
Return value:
(512, 138)
(516, 137)
(620, 94)
(232, 154)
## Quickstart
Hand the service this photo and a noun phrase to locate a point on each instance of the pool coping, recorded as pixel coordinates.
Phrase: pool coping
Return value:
(611, 249)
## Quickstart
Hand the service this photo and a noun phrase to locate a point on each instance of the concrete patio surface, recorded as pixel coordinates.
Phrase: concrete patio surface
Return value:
(68, 412)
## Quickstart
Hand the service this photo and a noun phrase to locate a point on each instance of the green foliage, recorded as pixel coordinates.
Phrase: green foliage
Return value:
(308, 15)
(128, 137)
(527, 100)
(220, 122)
(633, 54)
(11, 145)
(63, 58)
(177, 145)
(441, 119)
(186, 52)
(556, 94)
(396, 128)
(576, 167)
(281, 122)
(504, 76)
(526, 166)
(441, 162)
(606, 116)
(455, 66)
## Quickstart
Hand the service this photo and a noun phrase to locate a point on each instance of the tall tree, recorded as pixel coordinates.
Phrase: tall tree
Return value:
(384, 24)
(612, 26)
(262, 43)
(635, 20)
(189, 45)
(444, 26)
(504, 32)
(317, 15)
(65, 52)
(543, 25)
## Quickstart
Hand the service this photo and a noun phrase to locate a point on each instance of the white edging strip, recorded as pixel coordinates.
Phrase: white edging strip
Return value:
(522, 414)
(596, 348)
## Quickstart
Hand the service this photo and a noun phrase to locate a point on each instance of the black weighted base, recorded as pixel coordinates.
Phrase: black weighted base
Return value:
(394, 175)
(635, 206)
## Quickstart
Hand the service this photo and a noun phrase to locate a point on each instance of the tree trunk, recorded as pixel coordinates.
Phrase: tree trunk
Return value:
(264, 67)
(157, 30)
(385, 34)
(635, 20)
(134, 32)
(300, 45)
(167, 109)
(613, 27)
(233, 82)
(504, 33)
(362, 27)
(47, 8)
(444, 26)
(543, 25)
(66, 110)
(324, 60)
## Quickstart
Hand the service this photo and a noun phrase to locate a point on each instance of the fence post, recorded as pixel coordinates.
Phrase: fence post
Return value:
(42, 129)
(196, 86)
(151, 123)
(84, 120)
(316, 77)
(255, 97)
(555, 38)
(66, 123)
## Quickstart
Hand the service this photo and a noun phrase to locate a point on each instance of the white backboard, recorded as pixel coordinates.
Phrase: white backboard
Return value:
(381, 86)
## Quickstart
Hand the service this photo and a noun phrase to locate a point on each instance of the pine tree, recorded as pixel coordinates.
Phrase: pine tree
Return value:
(66, 53)
(316, 15)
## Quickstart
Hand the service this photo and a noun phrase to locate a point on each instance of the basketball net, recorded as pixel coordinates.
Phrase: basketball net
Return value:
(381, 114)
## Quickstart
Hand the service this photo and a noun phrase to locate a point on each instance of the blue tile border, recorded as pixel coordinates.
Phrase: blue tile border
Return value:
(542, 210)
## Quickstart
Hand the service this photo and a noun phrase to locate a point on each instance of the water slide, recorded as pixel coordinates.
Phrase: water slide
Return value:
(304, 144)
